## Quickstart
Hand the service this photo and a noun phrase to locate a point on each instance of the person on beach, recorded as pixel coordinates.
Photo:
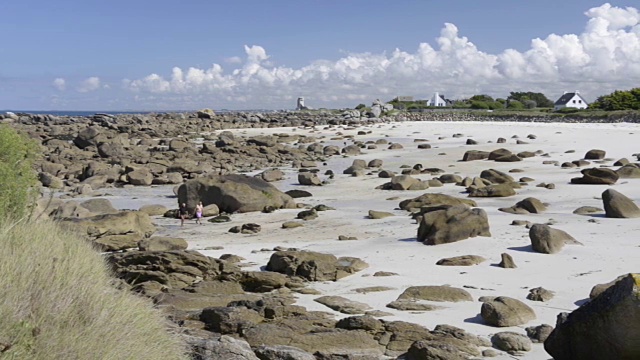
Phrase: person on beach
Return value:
(199, 210)
(183, 213)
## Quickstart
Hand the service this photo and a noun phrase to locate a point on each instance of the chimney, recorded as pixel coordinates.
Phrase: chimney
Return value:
(577, 92)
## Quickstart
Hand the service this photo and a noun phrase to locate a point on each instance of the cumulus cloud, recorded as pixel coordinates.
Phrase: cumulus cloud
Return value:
(604, 57)
(59, 83)
(89, 84)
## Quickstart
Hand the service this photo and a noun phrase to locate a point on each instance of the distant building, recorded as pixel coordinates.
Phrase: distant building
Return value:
(437, 100)
(570, 100)
(405, 98)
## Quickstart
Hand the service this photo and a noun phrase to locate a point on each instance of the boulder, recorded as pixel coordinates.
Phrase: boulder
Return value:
(175, 269)
(88, 136)
(472, 155)
(153, 210)
(540, 294)
(99, 207)
(464, 260)
(282, 352)
(50, 181)
(140, 177)
(607, 327)
(597, 176)
(135, 225)
(229, 320)
(497, 190)
(617, 205)
(233, 193)
(540, 333)
(511, 342)
(433, 199)
(496, 176)
(595, 154)
(435, 293)
(343, 305)
(446, 224)
(313, 266)
(547, 240)
(309, 178)
(504, 311)
(220, 347)
(271, 175)
(506, 261)
(162, 243)
(630, 171)
(529, 205)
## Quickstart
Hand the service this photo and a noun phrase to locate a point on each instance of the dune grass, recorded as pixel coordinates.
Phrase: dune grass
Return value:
(58, 302)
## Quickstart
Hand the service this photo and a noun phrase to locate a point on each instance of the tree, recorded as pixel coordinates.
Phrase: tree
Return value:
(540, 99)
(18, 181)
(515, 105)
(618, 100)
(530, 104)
(482, 98)
(361, 106)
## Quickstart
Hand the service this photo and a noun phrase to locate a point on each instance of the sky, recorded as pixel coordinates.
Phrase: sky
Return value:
(253, 54)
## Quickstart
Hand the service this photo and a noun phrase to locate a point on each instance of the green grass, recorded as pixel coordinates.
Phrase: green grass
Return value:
(58, 302)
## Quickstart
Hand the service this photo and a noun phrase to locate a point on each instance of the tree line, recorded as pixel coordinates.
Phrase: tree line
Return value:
(618, 100)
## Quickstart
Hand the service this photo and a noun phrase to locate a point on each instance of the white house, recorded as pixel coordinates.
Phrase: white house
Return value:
(437, 100)
(570, 100)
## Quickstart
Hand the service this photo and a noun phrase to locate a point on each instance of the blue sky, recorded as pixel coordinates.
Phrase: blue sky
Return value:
(163, 55)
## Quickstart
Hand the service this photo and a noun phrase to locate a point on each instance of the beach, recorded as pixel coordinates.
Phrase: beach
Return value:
(609, 247)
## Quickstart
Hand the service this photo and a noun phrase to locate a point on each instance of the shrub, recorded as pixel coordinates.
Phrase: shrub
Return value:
(18, 181)
(58, 302)
(515, 104)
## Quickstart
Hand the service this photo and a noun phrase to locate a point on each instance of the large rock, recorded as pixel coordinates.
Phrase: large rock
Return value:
(529, 205)
(607, 327)
(435, 293)
(162, 243)
(546, 240)
(629, 171)
(282, 352)
(233, 193)
(131, 226)
(343, 305)
(140, 177)
(496, 176)
(309, 178)
(597, 176)
(431, 199)
(616, 205)
(504, 311)
(175, 269)
(314, 266)
(88, 136)
(495, 190)
(446, 224)
(221, 347)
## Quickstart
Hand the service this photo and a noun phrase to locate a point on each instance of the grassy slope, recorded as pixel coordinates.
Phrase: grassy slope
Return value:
(58, 302)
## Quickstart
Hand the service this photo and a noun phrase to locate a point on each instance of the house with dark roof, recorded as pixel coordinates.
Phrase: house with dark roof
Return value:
(570, 100)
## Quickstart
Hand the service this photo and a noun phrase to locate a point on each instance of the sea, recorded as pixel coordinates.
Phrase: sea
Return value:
(91, 113)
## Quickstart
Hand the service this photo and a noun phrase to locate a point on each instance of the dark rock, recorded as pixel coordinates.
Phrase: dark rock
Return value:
(607, 327)
(446, 224)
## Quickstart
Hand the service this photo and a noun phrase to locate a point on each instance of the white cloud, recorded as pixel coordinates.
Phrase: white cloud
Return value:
(234, 60)
(89, 84)
(604, 57)
(60, 84)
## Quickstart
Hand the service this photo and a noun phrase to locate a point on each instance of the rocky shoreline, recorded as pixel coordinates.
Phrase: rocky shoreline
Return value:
(226, 312)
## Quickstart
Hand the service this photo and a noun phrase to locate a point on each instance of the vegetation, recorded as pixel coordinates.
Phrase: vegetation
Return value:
(58, 298)
(17, 179)
(485, 102)
(539, 98)
(59, 302)
(618, 100)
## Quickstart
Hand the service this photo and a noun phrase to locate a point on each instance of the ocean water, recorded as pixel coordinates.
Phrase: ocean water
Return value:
(81, 113)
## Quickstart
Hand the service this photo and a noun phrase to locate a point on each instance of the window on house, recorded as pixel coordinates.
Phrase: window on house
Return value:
(579, 101)
(574, 101)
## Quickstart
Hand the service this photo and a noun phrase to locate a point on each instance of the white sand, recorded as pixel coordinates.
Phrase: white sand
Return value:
(611, 246)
